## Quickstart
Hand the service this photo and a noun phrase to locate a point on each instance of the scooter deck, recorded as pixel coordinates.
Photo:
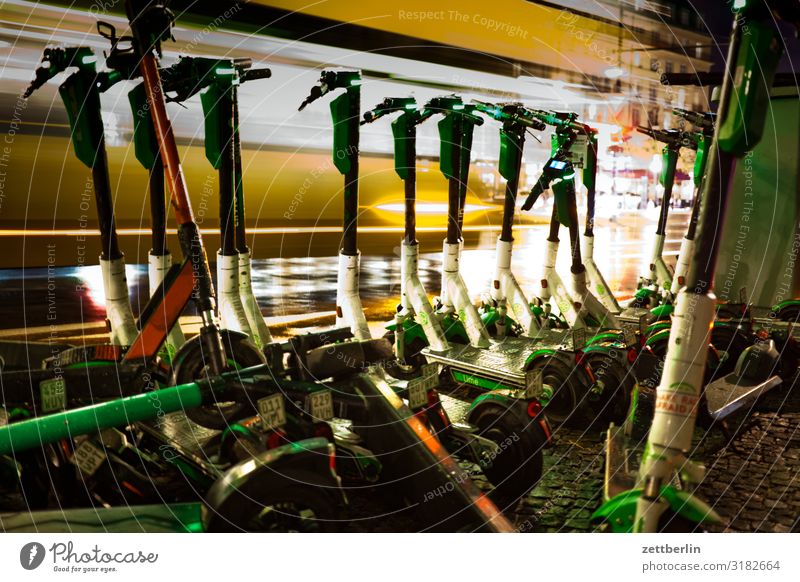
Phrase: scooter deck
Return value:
(174, 518)
(504, 361)
(618, 476)
(729, 394)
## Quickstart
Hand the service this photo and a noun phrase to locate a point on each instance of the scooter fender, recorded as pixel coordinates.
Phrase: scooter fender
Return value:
(663, 311)
(309, 462)
(411, 329)
(776, 309)
(619, 512)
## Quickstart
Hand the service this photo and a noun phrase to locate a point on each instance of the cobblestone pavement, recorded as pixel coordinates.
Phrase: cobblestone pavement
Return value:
(753, 479)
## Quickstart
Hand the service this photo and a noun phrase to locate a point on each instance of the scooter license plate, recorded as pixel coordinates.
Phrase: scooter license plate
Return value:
(320, 405)
(533, 383)
(272, 411)
(54, 394)
(629, 333)
(88, 458)
(418, 387)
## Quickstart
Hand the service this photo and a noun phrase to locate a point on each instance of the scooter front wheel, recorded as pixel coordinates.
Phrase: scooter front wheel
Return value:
(515, 466)
(190, 364)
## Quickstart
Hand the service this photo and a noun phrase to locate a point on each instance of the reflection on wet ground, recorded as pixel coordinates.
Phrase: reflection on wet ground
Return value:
(291, 290)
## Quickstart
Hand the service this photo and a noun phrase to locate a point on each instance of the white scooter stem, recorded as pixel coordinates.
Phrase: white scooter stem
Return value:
(119, 315)
(157, 268)
(349, 312)
(596, 279)
(414, 297)
(583, 295)
(506, 290)
(658, 272)
(682, 267)
(455, 294)
(677, 399)
(553, 288)
(229, 305)
(261, 334)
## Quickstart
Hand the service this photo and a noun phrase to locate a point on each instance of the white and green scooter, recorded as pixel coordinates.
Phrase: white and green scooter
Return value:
(570, 144)
(661, 496)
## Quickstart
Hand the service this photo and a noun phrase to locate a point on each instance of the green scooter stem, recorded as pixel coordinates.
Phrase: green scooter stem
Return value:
(669, 158)
(698, 174)
(512, 144)
(346, 111)
(404, 131)
(146, 151)
(81, 98)
(589, 178)
(241, 232)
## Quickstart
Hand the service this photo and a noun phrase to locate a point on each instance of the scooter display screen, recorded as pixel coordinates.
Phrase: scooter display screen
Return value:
(556, 165)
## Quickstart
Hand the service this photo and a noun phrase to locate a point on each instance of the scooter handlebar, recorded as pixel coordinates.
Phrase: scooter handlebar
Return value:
(56, 60)
(330, 80)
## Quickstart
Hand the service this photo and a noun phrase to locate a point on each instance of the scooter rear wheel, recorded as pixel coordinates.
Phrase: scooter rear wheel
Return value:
(517, 462)
(610, 399)
(189, 365)
(566, 388)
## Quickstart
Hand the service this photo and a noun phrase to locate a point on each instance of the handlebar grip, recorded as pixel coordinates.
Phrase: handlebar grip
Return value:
(253, 74)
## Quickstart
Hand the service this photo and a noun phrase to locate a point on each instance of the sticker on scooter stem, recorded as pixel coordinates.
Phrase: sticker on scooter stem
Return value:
(418, 387)
(680, 399)
(53, 393)
(320, 405)
(272, 411)
(534, 385)
(88, 458)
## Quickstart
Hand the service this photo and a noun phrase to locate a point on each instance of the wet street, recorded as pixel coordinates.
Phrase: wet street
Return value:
(297, 289)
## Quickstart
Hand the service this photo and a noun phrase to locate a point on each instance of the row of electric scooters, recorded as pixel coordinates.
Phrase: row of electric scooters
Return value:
(231, 430)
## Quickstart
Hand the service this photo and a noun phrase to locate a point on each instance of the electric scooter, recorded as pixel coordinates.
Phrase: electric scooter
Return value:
(159, 258)
(658, 278)
(81, 97)
(518, 468)
(217, 81)
(661, 496)
(574, 145)
(523, 371)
